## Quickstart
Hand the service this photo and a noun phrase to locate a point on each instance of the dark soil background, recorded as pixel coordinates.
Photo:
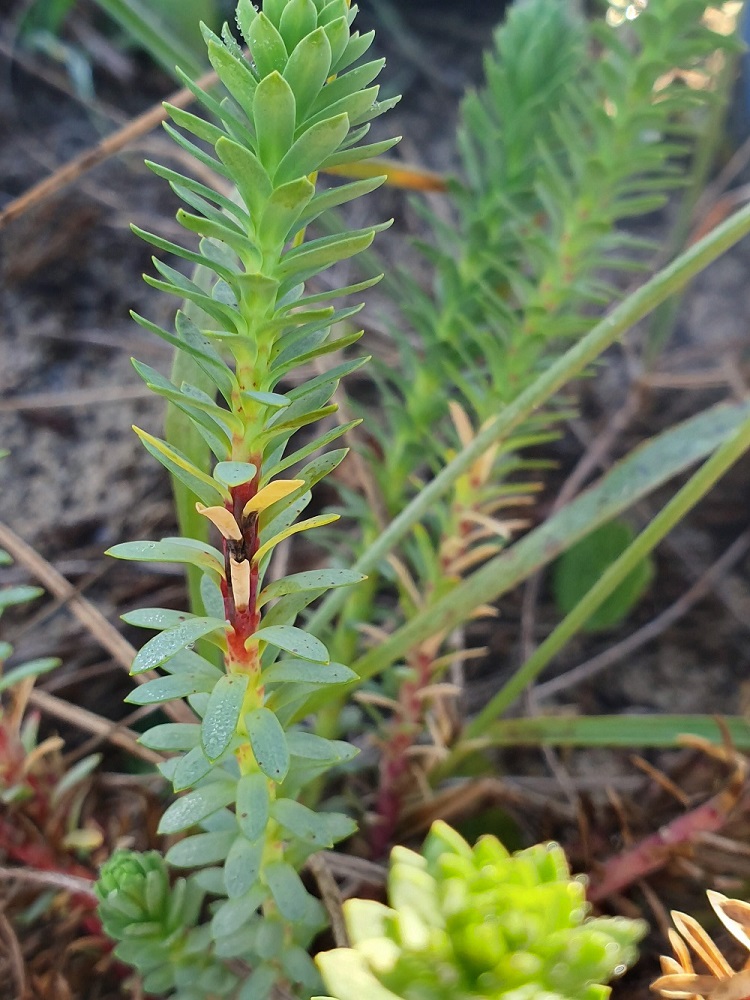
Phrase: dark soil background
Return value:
(77, 481)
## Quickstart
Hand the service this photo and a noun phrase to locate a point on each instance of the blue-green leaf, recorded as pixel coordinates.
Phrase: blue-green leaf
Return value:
(168, 688)
(180, 466)
(294, 640)
(234, 913)
(235, 74)
(166, 644)
(306, 672)
(190, 809)
(191, 769)
(33, 668)
(253, 803)
(323, 579)
(304, 823)
(287, 889)
(234, 473)
(222, 715)
(172, 736)
(201, 849)
(268, 742)
(242, 866)
(156, 618)
(170, 551)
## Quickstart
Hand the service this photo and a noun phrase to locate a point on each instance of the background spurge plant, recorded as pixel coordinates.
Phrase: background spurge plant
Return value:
(292, 107)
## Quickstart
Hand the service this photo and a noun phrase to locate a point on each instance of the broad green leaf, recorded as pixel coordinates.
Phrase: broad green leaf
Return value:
(304, 823)
(268, 742)
(178, 465)
(168, 688)
(266, 46)
(308, 68)
(339, 194)
(235, 74)
(190, 809)
(311, 747)
(259, 984)
(233, 914)
(21, 594)
(253, 803)
(298, 18)
(166, 644)
(156, 618)
(172, 736)
(356, 47)
(234, 473)
(337, 32)
(201, 849)
(248, 174)
(283, 209)
(578, 569)
(311, 580)
(242, 866)
(287, 889)
(169, 552)
(348, 83)
(191, 769)
(274, 111)
(312, 148)
(294, 640)
(222, 715)
(317, 255)
(307, 672)
(33, 668)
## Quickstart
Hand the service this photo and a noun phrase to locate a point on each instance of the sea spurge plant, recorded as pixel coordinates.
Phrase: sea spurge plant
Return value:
(295, 103)
(481, 922)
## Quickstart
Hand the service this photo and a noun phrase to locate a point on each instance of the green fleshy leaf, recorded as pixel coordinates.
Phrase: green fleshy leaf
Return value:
(283, 209)
(21, 594)
(253, 803)
(266, 46)
(319, 749)
(175, 686)
(201, 849)
(172, 736)
(268, 742)
(170, 551)
(33, 668)
(308, 69)
(309, 826)
(222, 715)
(235, 74)
(294, 640)
(323, 579)
(183, 469)
(307, 672)
(311, 522)
(233, 914)
(314, 146)
(248, 174)
(191, 769)
(287, 889)
(190, 809)
(166, 644)
(242, 866)
(274, 111)
(234, 473)
(317, 255)
(298, 18)
(259, 983)
(156, 618)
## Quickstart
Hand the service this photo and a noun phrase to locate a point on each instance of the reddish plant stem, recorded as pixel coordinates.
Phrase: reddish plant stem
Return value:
(394, 764)
(244, 621)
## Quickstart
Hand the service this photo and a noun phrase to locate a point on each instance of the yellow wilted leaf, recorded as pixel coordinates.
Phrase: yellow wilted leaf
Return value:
(223, 520)
(271, 493)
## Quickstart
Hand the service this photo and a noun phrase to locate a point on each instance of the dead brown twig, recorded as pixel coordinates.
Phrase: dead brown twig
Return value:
(655, 851)
(92, 619)
(103, 150)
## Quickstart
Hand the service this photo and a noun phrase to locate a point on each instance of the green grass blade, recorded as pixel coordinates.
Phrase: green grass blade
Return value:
(670, 515)
(643, 301)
